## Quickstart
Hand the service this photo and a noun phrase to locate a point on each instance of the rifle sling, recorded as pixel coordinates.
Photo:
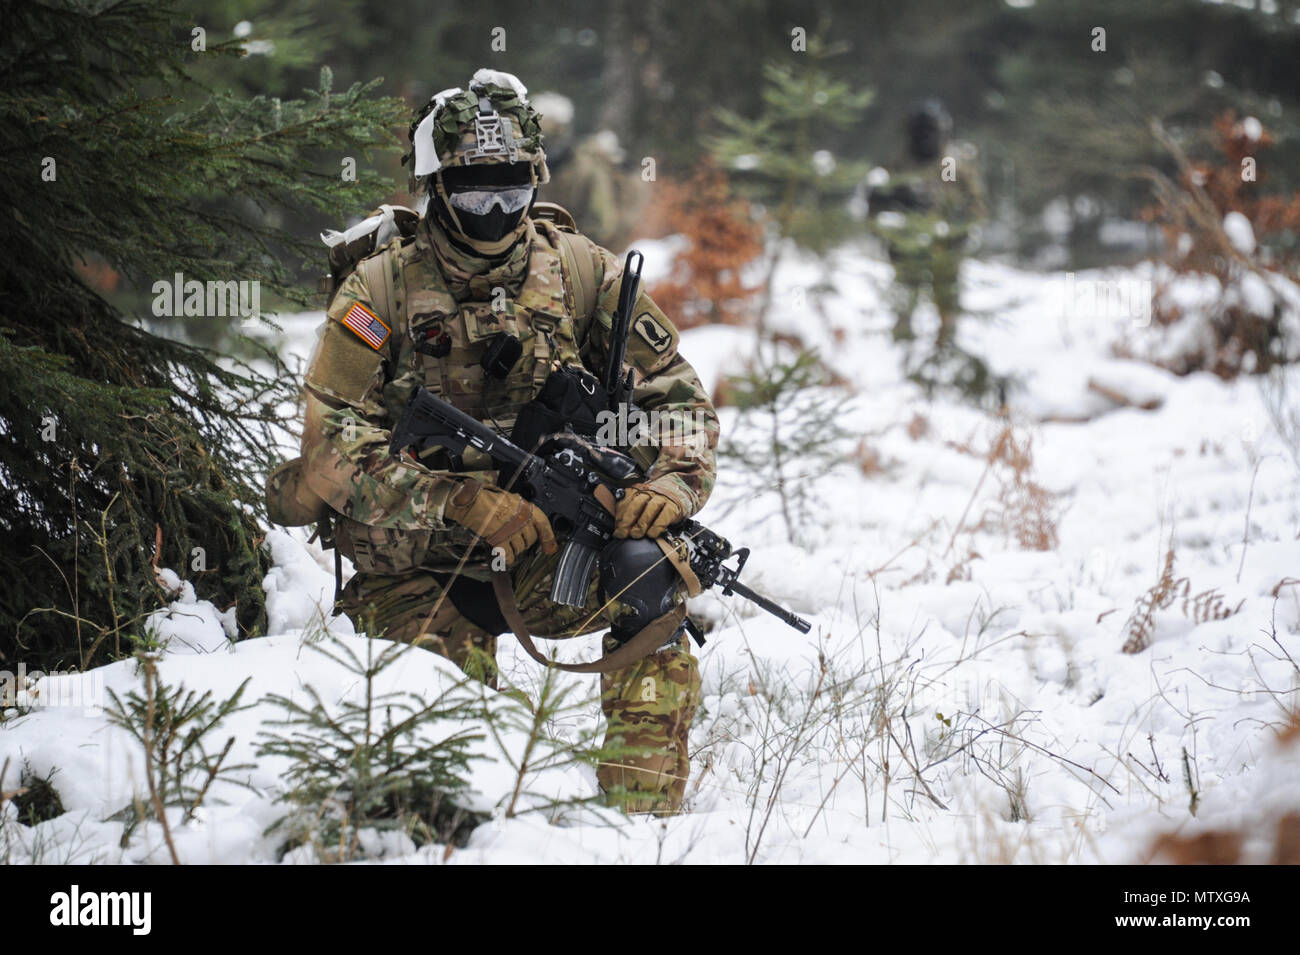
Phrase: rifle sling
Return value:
(649, 639)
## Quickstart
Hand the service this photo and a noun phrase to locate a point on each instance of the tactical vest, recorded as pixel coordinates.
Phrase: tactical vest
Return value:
(439, 343)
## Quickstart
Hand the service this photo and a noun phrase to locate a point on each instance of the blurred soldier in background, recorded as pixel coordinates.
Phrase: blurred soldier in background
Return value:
(587, 175)
(923, 210)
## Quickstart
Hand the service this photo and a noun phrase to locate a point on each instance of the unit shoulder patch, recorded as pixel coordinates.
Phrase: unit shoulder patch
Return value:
(367, 325)
(654, 333)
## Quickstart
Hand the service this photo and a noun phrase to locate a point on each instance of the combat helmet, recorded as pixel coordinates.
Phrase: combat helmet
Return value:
(478, 154)
(928, 127)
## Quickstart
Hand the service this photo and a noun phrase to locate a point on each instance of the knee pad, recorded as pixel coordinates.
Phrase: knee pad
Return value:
(634, 572)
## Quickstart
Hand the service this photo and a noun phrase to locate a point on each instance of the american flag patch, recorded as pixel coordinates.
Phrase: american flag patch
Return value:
(367, 325)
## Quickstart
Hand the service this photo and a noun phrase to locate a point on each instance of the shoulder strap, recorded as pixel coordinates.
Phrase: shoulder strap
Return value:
(555, 213)
(576, 259)
(377, 270)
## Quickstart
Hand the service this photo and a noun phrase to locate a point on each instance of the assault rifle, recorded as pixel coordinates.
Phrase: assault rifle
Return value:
(575, 483)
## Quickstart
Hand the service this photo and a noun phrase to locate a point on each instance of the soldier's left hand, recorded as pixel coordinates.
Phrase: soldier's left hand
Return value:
(645, 512)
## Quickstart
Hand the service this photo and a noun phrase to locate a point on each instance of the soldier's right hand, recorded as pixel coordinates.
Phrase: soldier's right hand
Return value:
(502, 518)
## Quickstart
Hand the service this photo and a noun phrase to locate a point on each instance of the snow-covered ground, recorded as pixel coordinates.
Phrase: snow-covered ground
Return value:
(963, 696)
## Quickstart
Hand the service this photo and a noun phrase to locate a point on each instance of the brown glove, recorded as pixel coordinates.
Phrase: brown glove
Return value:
(501, 518)
(645, 512)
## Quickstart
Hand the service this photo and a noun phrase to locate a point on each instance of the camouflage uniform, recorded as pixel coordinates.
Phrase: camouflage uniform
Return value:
(391, 520)
(588, 176)
(605, 198)
(937, 212)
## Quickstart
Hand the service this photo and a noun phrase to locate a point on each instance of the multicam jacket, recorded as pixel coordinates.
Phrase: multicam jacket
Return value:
(936, 213)
(447, 305)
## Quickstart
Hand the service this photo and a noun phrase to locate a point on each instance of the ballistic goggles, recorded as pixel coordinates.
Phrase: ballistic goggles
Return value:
(479, 200)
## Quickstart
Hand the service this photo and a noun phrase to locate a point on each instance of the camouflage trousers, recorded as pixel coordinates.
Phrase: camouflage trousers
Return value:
(934, 270)
(648, 706)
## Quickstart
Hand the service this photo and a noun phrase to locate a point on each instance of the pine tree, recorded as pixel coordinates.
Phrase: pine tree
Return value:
(1077, 85)
(121, 451)
(783, 157)
(788, 435)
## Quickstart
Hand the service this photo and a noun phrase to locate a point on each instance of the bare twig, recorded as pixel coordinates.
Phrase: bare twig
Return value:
(1245, 532)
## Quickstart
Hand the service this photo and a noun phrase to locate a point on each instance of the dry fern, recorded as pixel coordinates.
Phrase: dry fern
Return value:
(1199, 608)
(962, 569)
(1208, 605)
(1141, 623)
(1024, 509)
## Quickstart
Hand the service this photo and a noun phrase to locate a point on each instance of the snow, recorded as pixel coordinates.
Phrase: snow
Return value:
(1239, 231)
(1256, 294)
(891, 220)
(1251, 128)
(300, 587)
(189, 625)
(99, 770)
(1202, 300)
(987, 676)
(1131, 382)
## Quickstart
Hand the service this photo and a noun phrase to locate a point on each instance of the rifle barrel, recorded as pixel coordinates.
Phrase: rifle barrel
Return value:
(775, 609)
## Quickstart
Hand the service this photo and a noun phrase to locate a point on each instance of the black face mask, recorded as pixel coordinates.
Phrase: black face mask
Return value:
(492, 227)
(498, 221)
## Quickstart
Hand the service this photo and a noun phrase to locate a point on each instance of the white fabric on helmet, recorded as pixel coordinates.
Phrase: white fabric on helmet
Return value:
(484, 77)
(426, 153)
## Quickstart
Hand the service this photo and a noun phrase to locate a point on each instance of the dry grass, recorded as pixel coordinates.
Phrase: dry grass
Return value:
(1230, 846)
(869, 460)
(1244, 337)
